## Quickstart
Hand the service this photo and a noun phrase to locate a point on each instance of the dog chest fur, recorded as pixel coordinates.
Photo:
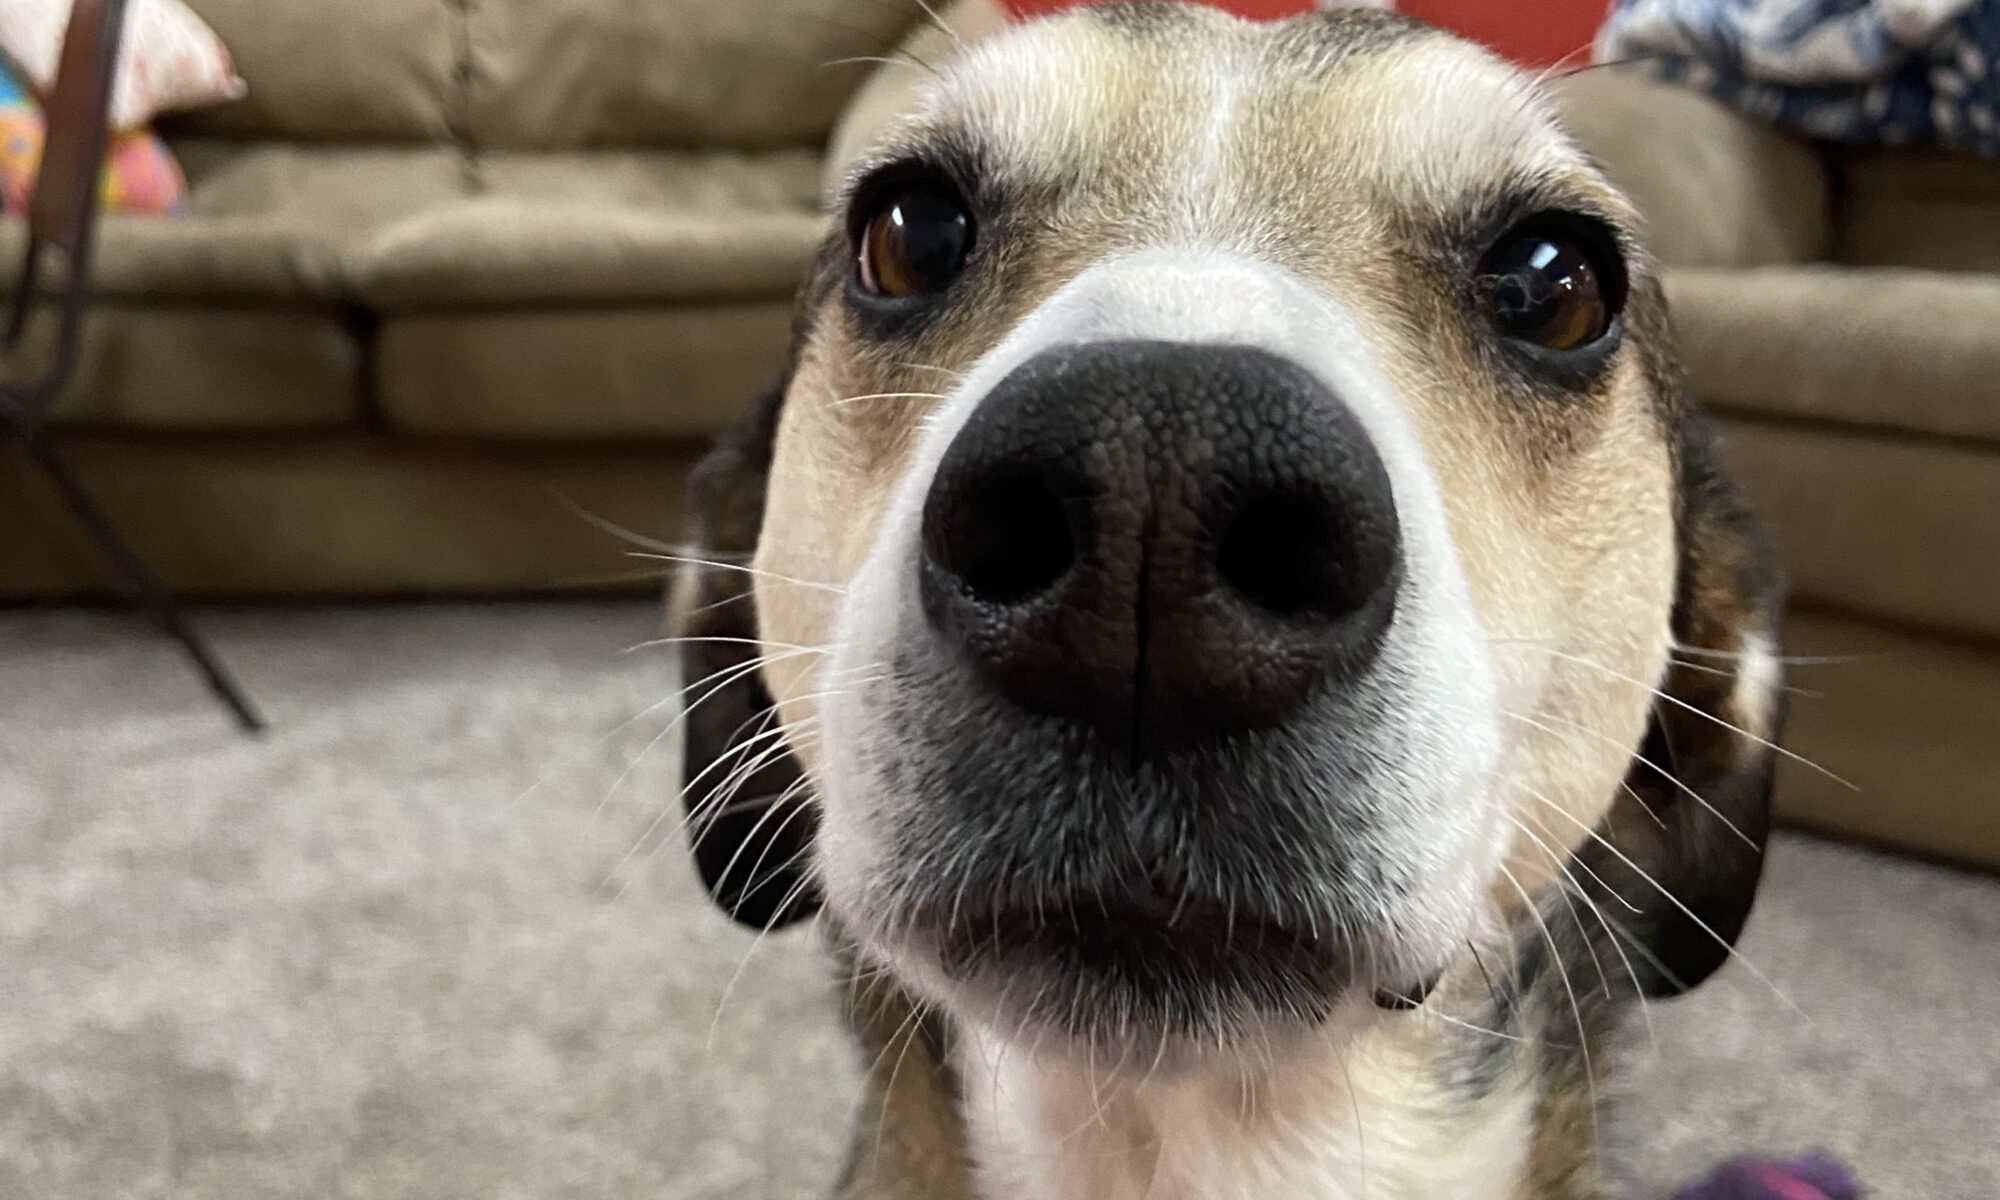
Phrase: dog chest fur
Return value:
(1330, 1123)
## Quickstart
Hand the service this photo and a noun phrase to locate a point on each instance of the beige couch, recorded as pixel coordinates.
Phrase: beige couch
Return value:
(1840, 311)
(449, 269)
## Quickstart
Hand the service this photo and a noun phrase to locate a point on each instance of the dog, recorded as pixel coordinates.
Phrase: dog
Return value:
(1234, 626)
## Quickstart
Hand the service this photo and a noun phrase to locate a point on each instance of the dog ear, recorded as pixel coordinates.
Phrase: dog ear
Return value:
(1695, 814)
(750, 818)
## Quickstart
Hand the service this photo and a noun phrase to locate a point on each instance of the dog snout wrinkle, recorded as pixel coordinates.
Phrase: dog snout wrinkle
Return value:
(1165, 542)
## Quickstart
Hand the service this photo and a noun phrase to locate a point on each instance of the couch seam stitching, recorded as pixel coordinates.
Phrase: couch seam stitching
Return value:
(464, 139)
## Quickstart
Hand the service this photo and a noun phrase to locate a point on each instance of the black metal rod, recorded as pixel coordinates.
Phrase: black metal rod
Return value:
(152, 596)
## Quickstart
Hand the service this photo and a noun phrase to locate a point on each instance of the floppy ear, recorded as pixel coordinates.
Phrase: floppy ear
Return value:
(1703, 775)
(750, 817)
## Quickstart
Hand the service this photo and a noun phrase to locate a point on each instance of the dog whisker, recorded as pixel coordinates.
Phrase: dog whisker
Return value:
(1705, 715)
(622, 726)
(902, 58)
(1569, 880)
(1429, 1012)
(1790, 660)
(606, 525)
(1550, 851)
(1576, 1007)
(1709, 652)
(1689, 913)
(948, 372)
(705, 639)
(719, 565)
(758, 876)
(1563, 883)
(775, 744)
(777, 741)
(756, 943)
(729, 989)
(941, 24)
(1558, 68)
(716, 681)
(846, 401)
(661, 818)
(866, 36)
(1643, 761)
(1726, 673)
(907, 1032)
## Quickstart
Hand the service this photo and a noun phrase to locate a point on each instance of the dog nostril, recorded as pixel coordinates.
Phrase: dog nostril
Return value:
(1291, 555)
(1006, 540)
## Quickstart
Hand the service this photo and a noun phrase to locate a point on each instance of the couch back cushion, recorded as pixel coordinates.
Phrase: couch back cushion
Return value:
(547, 74)
(337, 70)
(748, 74)
(1934, 209)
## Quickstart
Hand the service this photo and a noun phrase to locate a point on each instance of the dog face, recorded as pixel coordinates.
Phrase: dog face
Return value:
(1223, 543)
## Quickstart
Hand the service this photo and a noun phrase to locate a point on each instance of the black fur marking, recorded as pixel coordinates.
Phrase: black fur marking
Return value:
(1336, 36)
(1710, 856)
(1142, 16)
(751, 830)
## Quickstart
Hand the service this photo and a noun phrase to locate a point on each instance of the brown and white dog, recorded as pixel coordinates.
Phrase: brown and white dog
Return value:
(1234, 623)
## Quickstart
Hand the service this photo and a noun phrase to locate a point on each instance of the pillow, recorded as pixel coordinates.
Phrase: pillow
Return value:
(168, 60)
(140, 174)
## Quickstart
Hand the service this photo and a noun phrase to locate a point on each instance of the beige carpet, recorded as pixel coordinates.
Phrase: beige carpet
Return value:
(396, 949)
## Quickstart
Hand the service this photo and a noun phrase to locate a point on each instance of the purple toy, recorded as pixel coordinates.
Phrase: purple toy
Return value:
(1813, 1176)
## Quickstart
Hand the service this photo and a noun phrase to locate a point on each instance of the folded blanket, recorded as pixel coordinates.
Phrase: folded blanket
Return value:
(1860, 71)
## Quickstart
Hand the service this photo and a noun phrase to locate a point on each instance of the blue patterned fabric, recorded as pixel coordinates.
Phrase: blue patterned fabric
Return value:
(1862, 71)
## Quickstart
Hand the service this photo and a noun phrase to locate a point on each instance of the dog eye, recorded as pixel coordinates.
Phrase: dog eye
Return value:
(914, 241)
(1553, 281)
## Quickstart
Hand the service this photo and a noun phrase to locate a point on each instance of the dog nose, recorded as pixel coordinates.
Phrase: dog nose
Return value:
(1164, 542)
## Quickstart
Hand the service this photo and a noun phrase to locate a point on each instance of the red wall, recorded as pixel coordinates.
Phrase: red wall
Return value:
(1536, 32)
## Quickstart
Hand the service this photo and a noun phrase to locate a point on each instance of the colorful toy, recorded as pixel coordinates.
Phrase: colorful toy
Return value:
(1813, 1176)
(140, 174)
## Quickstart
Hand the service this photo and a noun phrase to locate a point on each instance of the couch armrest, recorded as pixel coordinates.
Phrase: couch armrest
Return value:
(1716, 188)
(894, 86)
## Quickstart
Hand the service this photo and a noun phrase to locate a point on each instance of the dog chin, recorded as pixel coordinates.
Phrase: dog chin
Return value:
(1124, 990)
(1170, 983)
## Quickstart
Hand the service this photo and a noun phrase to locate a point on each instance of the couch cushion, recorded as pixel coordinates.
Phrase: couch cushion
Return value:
(1908, 720)
(346, 515)
(264, 221)
(586, 372)
(593, 73)
(196, 367)
(356, 70)
(1918, 208)
(1914, 351)
(1894, 527)
(606, 227)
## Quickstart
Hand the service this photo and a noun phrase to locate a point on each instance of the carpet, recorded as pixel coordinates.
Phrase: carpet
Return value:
(434, 938)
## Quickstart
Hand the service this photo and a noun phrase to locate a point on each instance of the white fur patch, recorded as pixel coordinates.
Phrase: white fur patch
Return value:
(1759, 676)
(1342, 1119)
